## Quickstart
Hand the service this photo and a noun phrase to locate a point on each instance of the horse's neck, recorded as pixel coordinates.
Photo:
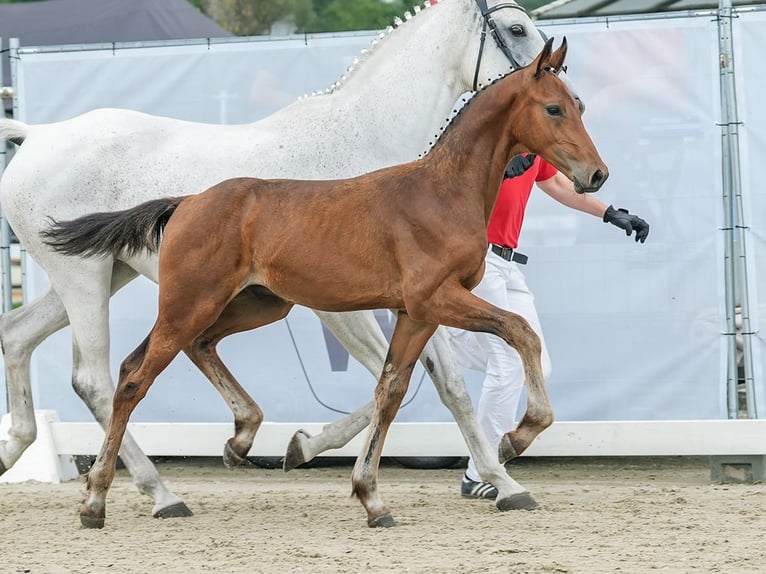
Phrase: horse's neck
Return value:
(479, 144)
(405, 89)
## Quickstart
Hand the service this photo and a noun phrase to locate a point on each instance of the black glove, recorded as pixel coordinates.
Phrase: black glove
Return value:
(519, 164)
(630, 223)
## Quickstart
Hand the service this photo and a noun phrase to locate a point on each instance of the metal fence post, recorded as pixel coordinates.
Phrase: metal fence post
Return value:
(736, 227)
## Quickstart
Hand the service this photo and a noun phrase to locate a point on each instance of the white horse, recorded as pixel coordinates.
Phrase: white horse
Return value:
(386, 111)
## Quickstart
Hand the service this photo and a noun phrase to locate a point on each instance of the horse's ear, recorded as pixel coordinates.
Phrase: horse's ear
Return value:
(542, 59)
(557, 58)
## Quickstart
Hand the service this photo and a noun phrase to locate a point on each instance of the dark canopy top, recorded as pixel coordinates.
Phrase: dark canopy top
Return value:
(56, 22)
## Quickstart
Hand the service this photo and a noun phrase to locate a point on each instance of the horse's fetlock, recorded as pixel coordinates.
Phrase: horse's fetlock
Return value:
(546, 420)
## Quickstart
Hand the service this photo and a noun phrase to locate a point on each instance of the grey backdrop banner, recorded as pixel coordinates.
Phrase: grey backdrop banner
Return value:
(634, 330)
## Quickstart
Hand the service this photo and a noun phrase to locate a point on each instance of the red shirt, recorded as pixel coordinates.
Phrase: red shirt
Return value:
(508, 215)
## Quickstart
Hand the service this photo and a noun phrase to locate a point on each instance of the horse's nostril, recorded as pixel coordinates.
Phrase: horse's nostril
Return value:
(597, 179)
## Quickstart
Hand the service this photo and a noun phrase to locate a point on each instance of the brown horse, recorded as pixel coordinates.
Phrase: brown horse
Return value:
(410, 237)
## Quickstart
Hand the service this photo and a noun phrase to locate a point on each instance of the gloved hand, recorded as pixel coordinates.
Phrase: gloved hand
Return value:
(519, 164)
(630, 223)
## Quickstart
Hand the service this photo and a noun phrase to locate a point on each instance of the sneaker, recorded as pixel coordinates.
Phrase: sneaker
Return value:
(477, 489)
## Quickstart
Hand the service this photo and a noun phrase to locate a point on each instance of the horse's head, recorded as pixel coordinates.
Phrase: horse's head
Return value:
(549, 122)
(506, 39)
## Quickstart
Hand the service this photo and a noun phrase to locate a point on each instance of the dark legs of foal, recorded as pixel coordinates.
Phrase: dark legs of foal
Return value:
(172, 332)
(407, 342)
(456, 307)
(251, 308)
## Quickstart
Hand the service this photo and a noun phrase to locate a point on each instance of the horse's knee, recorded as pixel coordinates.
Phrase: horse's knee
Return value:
(16, 352)
(23, 430)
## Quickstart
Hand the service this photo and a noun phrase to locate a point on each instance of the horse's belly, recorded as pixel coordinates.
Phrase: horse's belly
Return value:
(337, 291)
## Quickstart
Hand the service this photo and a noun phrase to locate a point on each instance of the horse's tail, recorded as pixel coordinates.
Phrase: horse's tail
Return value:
(115, 233)
(13, 130)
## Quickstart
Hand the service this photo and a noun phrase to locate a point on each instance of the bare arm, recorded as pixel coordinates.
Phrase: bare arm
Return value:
(562, 190)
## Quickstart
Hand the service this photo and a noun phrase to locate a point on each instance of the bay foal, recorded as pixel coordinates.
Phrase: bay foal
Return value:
(410, 238)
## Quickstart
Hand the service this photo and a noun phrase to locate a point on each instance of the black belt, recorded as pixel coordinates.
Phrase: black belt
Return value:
(509, 254)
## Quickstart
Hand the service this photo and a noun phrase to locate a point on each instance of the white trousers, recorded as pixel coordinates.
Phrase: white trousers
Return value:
(503, 285)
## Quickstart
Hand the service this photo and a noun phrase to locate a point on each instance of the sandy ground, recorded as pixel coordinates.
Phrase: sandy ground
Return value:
(596, 515)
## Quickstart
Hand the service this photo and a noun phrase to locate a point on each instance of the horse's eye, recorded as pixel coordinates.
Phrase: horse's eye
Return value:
(518, 30)
(553, 110)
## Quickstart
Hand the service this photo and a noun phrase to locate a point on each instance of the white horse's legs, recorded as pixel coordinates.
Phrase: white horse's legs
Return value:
(362, 337)
(87, 304)
(21, 331)
(439, 360)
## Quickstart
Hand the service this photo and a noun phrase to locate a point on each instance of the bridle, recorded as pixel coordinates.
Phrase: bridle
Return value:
(489, 22)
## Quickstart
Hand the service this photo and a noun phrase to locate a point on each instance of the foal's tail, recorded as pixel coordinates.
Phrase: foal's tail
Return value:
(13, 130)
(115, 233)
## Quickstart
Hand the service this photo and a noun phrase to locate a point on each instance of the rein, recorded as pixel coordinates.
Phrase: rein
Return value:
(489, 22)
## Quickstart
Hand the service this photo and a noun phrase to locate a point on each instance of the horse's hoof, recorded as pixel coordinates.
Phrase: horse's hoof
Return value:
(520, 501)
(230, 458)
(294, 456)
(385, 521)
(93, 519)
(506, 451)
(2, 468)
(177, 510)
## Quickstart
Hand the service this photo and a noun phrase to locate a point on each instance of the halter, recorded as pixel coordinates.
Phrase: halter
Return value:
(486, 14)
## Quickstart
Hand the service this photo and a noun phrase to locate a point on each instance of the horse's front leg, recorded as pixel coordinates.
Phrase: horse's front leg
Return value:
(407, 343)
(457, 307)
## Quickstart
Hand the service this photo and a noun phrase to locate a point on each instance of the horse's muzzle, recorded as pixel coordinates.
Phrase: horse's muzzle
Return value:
(594, 184)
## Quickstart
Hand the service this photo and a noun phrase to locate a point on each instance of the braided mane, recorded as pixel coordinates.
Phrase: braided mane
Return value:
(458, 111)
(367, 52)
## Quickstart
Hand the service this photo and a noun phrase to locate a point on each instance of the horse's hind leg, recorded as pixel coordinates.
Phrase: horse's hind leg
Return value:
(253, 307)
(183, 316)
(407, 343)
(21, 331)
(88, 308)
(137, 373)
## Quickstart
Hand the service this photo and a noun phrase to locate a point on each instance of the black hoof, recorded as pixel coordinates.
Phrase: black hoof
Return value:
(177, 510)
(520, 501)
(385, 521)
(506, 452)
(2, 467)
(92, 520)
(294, 455)
(230, 458)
